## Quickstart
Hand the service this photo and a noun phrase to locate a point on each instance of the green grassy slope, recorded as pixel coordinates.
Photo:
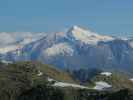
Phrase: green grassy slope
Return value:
(21, 76)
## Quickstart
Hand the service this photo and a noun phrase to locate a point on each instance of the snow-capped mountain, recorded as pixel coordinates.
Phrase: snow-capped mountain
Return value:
(77, 48)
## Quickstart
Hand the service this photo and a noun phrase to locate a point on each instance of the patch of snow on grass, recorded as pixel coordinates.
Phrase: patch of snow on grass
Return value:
(6, 62)
(62, 84)
(101, 85)
(50, 79)
(39, 73)
(131, 79)
(106, 73)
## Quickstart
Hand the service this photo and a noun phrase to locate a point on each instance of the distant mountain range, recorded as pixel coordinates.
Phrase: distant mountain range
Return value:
(77, 48)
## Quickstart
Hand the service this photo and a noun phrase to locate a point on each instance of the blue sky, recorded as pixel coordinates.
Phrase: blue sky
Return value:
(102, 16)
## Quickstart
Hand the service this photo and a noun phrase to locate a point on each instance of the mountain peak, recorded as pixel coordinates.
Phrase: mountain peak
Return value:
(78, 29)
(75, 27)
(85, 36)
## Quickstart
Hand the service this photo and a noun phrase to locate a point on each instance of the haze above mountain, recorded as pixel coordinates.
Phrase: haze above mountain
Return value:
(14, 40)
